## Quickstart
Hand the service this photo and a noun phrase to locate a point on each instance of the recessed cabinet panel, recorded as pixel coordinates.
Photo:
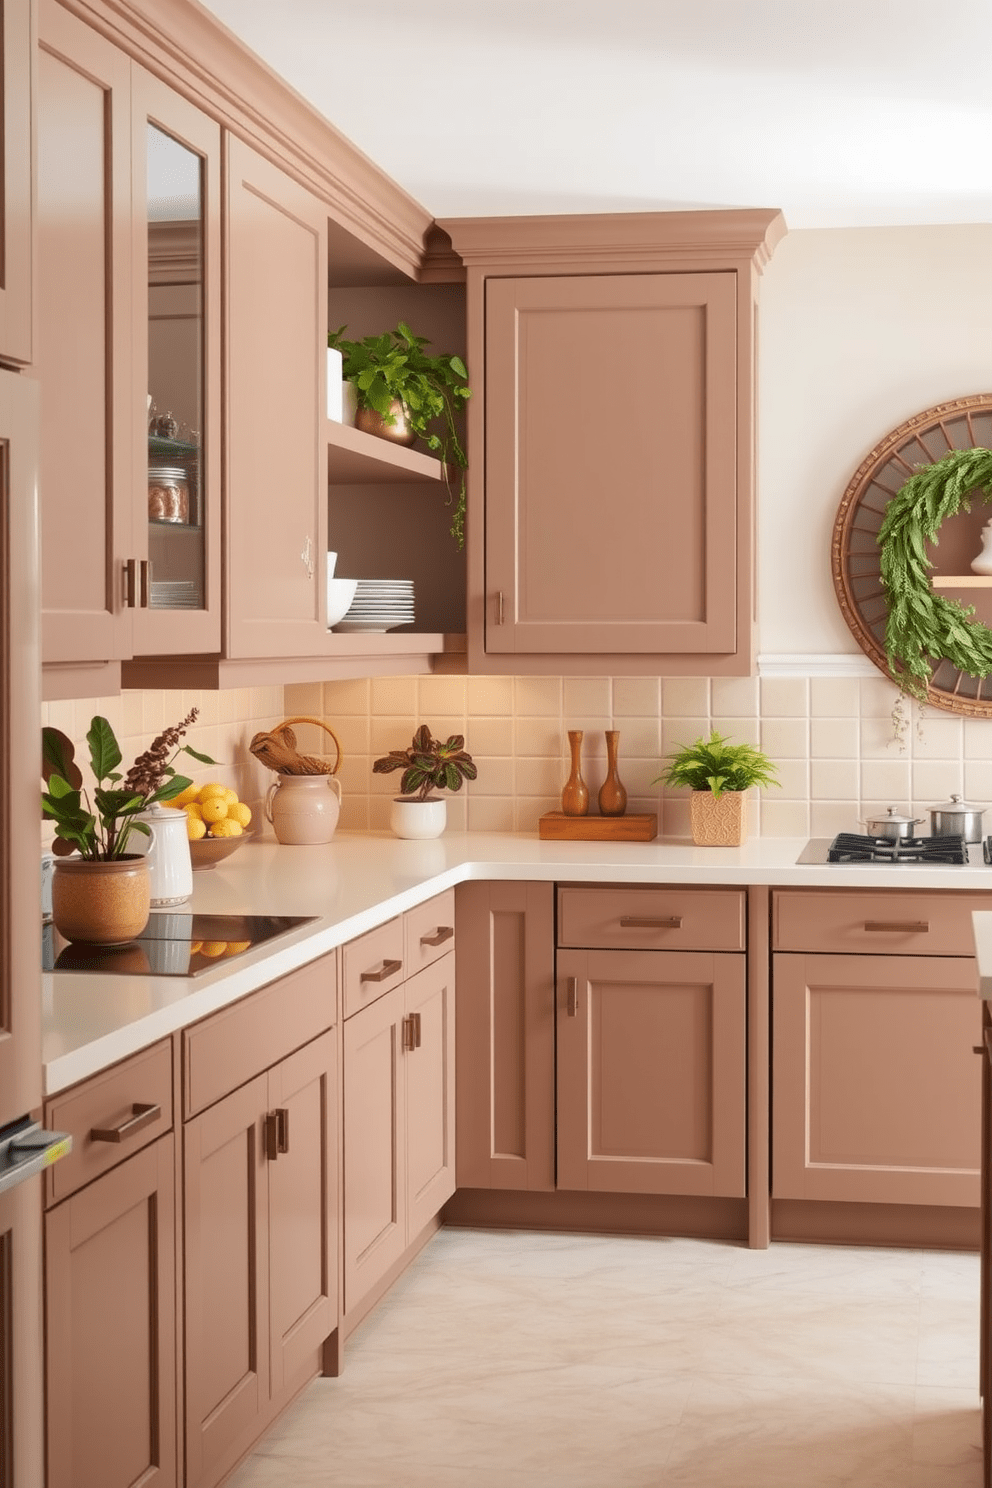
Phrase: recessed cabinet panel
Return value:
(651, 1078)
(876, 1091)
(276, 460)
(16, 28)
(83, 354)
(611, 516)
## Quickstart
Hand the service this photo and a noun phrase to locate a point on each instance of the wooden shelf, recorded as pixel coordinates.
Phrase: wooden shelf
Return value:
(357, 654)
(961, 581)
(357, 458)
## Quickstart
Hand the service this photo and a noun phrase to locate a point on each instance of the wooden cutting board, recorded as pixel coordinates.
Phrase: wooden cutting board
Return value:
(636, 827)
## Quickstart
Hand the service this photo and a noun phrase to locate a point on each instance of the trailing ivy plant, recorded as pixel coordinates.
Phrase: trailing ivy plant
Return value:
(433, 390)
(923, 627)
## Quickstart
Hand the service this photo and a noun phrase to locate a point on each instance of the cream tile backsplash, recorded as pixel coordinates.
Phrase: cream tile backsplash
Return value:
(838, 750)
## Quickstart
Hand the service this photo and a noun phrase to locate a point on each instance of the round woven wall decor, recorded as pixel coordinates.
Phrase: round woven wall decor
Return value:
(925, 439)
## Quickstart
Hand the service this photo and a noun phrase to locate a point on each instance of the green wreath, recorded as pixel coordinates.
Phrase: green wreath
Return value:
(921, 624)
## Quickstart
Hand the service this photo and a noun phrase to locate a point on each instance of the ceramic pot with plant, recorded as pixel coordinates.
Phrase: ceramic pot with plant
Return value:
(718, 773)
(101, 890)
(404, 393)
(428, 765)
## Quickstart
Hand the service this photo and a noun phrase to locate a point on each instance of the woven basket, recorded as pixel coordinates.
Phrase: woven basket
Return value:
(277, 750)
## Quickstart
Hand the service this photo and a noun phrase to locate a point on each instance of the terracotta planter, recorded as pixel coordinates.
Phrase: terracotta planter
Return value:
(718, 821)
(101, 902)
(418, 819)
(373, 423)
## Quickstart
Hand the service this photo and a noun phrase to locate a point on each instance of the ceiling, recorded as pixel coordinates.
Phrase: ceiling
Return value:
(841, 112)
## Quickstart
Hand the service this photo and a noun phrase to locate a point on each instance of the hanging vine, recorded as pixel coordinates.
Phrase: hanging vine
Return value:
(923, 626)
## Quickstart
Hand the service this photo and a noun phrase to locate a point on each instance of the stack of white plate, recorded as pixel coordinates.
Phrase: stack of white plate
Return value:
(379, 604)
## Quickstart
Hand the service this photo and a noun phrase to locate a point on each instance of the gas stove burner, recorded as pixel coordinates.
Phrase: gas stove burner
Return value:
(851, 847)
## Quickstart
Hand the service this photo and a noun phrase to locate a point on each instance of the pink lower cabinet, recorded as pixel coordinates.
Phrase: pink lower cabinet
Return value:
(651, 1084)
(260, 1216)
(110, 1281)
(876, 1090)
(399, 1106)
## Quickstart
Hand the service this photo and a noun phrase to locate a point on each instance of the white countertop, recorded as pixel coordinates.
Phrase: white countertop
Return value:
(359, 880)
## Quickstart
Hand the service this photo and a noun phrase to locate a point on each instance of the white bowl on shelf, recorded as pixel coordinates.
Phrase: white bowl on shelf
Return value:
(340, 593)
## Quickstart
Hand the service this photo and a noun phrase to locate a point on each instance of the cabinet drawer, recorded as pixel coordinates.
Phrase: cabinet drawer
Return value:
(652, 919)
(890, 922)
(373, 964)
(128, 1106)
(231, 1047)
(429, 931)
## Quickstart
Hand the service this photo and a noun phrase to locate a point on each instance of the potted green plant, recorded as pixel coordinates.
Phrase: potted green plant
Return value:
(100, 890)
(718, 773)
(403, 393)
(428, 765)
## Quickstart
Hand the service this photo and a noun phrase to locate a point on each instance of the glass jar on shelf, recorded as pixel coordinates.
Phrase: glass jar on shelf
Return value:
(168, 494)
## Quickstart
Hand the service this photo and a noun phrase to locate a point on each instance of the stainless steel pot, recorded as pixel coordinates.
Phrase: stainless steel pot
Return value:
(892, 825)
(957, 818)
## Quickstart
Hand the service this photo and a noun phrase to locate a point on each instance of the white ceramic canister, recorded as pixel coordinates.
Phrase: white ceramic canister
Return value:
(170, 869)
(415, 819)
(304, 809)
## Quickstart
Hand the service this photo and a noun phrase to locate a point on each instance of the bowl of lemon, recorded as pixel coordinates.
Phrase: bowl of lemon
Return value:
(216, 822)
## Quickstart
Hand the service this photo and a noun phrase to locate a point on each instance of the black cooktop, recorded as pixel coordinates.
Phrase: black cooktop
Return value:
(170, 945)
(852, 847)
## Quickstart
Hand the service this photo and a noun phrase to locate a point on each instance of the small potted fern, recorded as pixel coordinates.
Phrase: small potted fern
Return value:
(429, 765)
(718, 773)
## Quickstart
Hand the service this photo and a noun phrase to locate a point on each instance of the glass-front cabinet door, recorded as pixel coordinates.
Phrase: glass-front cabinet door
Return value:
(176, 253)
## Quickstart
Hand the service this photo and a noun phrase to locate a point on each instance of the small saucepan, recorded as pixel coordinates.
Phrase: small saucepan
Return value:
(892, 825)
(957, 818)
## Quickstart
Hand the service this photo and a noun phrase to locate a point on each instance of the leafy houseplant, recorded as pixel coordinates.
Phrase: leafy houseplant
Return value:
(432, 389)
(428, 765)
(718, 773)
(103, 833)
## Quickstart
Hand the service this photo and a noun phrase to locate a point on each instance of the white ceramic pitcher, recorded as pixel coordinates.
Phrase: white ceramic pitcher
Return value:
(170, 869)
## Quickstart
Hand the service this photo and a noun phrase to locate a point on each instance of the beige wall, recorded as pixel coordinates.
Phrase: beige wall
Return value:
(860, 329)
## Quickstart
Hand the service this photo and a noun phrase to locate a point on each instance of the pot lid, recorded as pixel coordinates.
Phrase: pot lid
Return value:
(892, 815)
(957, 804)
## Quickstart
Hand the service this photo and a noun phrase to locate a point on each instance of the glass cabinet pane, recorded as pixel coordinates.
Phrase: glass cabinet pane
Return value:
(176, 496)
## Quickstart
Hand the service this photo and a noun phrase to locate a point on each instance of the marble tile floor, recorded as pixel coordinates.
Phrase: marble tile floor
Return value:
(531, 1360)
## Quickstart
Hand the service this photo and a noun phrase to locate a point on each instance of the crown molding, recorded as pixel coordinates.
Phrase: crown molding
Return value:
(189, 49)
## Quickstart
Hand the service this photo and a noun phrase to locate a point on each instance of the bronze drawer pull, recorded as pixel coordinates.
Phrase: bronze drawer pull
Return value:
(141, 1116)
(386, 969)
(276, 1132)
(572, 998)
(440, 935)
(915, 927)
(646, 922)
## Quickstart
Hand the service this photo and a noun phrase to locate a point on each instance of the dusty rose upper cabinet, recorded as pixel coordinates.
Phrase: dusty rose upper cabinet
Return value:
(277, 468)
(612, 440)
(876, 1093)
(128, 308)
(17, 43)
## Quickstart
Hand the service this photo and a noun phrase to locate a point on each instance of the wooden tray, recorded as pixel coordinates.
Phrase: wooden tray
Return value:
(637, 827)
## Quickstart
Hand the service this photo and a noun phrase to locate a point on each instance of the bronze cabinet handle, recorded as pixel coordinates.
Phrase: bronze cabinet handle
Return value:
(411, 1032)
(416, 1030)
(145, 584)
(282, 1129)
(914, 927)
(646, 922)
(140, 1117)
(130, 583)
(572, 997)
(439, 936)
(384, 970)
(270, 1136)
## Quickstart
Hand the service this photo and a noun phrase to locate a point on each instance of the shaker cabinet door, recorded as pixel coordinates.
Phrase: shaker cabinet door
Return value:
(16, 60)
(611, 464)
(276, 460)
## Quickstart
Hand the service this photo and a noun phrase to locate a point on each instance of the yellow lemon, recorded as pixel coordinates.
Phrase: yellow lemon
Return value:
(230, 796)
(236, 946)
(194, 810)
(194, 946)
(213, 948)
(196, 828)
(226, 828)
(206, 792)
(239, 812)
(185, 796)
(214, 809)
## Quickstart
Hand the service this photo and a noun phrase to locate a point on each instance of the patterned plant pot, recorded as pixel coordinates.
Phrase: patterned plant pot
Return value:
(718, 821)
(101, 902)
